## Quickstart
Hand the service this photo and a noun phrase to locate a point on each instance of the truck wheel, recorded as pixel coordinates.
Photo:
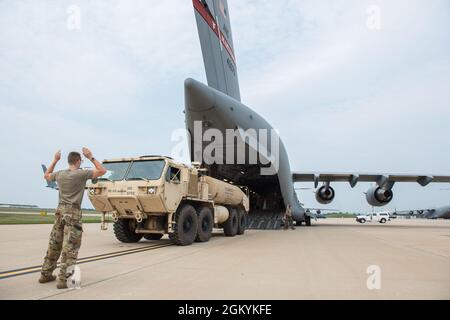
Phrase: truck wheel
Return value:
(383, 221)
(363, 220)
(242, 219)
(153, 236)
(205, 225)
(186, 226)
(230, 227)
(124, 230)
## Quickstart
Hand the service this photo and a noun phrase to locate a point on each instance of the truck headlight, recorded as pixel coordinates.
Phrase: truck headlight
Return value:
(95, 191)
(151, 190)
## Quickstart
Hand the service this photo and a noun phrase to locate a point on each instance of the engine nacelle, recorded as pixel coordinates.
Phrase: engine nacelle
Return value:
(325, 195)
(378, 197)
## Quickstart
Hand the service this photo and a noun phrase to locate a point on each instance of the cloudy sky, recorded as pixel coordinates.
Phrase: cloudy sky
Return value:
(344, 94)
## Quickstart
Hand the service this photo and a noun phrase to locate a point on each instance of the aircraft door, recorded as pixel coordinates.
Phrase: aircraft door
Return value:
(174, 188)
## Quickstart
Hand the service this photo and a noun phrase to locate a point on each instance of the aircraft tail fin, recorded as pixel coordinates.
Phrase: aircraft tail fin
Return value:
(50, 184)
(214, 29)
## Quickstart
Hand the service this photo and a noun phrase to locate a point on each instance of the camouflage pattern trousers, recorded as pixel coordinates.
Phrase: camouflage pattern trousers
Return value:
(288, 221)
(65, 241)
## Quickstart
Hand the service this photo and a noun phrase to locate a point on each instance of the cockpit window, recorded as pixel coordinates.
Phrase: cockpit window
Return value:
(115, 171)
(146, 170)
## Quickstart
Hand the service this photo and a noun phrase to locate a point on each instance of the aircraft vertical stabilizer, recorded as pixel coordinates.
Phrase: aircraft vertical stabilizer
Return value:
(214, 28)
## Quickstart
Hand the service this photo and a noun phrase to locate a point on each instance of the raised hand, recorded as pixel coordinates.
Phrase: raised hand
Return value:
(58, 156)
(87, 153)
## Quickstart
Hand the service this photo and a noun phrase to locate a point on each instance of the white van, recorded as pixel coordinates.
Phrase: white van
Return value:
(381, 217)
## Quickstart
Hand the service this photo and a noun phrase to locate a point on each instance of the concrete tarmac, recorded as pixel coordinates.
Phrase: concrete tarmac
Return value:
(329, 260)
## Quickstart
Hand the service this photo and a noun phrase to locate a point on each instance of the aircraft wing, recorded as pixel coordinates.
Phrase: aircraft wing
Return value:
(380, 179)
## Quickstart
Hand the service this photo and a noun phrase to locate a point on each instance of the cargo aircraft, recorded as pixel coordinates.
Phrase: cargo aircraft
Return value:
(217, 107)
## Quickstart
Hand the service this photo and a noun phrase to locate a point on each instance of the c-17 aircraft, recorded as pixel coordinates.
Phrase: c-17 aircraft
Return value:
(430, 213)
(218, 107)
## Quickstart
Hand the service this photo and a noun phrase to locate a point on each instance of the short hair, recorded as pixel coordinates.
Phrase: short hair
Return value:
(74, 157)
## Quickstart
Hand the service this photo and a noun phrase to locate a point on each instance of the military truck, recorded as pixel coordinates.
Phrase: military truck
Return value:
(152, 196)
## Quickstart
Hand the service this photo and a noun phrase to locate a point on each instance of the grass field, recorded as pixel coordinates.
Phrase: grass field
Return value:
(38, 210)
(12, 218)
(341, 215)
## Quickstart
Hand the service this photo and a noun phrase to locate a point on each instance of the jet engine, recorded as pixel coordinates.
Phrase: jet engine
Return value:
(378, 197)
(325, 195)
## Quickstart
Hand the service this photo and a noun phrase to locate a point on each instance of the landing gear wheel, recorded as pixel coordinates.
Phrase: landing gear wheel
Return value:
(242, 219)
(186, 225)
(205, 225)
(153, 236)
(230, 227)
(125, 231)
(308, 221)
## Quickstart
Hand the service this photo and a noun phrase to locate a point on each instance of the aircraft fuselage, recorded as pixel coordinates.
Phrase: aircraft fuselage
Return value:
(210, 109)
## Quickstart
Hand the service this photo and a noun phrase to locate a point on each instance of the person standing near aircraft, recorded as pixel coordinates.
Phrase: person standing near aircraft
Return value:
(287, 219)
(65, 238)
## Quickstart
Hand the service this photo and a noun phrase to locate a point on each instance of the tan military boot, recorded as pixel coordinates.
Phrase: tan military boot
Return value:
(61, 284)
(47, 278)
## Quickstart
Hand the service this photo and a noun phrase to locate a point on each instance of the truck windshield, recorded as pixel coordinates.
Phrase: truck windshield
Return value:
(115, 171)
(146, 170)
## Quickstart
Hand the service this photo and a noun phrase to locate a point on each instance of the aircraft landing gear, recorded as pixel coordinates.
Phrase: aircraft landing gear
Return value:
(308, 221)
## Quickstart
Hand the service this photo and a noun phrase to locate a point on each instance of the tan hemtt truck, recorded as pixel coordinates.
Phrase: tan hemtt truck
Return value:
(152, 196)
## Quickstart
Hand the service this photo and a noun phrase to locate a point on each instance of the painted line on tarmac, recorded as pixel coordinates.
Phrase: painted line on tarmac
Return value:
(35, 269)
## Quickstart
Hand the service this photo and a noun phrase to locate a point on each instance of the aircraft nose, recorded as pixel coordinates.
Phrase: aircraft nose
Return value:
(198, 97)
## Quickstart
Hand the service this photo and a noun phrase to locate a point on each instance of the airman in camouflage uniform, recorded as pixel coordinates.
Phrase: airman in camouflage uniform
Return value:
(287, 219)
(65, 238)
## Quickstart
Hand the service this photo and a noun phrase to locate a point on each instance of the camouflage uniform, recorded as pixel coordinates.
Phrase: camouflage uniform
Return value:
(65, 238)
(65, 241)
(287, 219)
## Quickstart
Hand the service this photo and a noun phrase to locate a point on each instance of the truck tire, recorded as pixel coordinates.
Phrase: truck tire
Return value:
(205, 225)
(230, 227)
(242, 219)
(362, 221)
(186, 224)
(383, 220)
(124, 230)
(153, 236)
